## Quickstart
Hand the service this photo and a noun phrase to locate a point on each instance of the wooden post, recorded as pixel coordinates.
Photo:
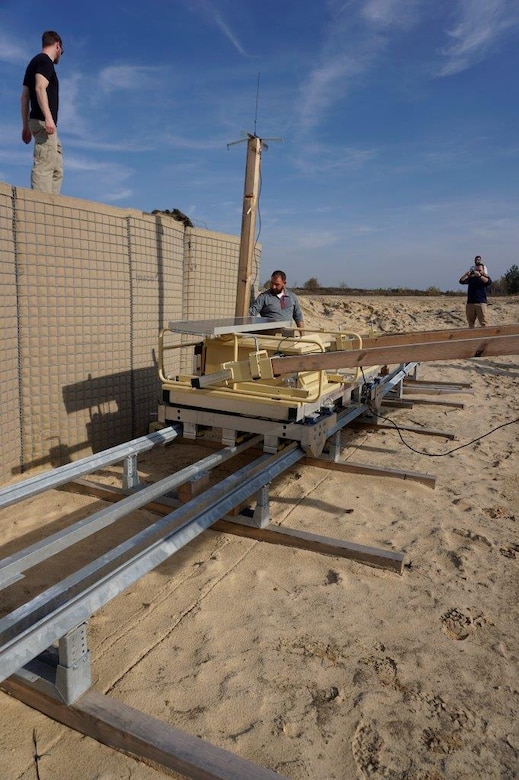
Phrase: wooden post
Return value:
(248, 225)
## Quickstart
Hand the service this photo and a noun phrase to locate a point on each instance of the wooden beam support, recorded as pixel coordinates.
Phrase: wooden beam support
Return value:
(291, 537)
(115, 724)
(348, 467)
(415, 382)
(387, 559)
(433, 389)
(387, 426)
(397, 403)
(434, 402)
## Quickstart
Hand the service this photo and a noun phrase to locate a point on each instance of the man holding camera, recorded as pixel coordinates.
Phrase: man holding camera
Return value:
(478, 280)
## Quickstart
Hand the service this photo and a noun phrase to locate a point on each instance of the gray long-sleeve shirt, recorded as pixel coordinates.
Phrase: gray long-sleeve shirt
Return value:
(286, 307)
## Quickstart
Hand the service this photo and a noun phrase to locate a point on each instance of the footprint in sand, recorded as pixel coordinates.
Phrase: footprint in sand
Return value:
(366, 746)
(333, 577)
(460, 625)
(466, 533)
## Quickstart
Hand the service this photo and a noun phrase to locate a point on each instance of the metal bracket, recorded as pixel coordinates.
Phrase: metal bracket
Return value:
(333, 447)
(261, 515)
(73, 672)
(130, 473)
(189, 430)
(229, 437)
(61, 672)
(270, 443)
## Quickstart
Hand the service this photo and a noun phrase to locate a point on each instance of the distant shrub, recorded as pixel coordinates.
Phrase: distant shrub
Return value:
(511, 280)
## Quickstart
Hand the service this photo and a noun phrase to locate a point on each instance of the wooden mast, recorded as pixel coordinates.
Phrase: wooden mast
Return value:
(248, 225)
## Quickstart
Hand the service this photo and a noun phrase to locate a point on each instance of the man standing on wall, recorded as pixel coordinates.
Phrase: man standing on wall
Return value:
(278, 303)
(39, 104)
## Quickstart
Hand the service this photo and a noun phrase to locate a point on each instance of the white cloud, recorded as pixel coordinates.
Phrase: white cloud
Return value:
(356, 37)
(86, 165)
(330, 81)
(224, 27)
(480, 28)
(21, 157)
(195, 144)
(209, 14)
(321, 159)
(128, 77)
(113, 197)
(11, 51)
(70, 115)
(391, 13)
(105, 181)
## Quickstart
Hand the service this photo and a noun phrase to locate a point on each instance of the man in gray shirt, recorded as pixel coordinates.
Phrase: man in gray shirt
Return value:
(278, 303)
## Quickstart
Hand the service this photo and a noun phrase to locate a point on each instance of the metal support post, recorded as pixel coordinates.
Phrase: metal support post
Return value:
(189, 430)
(270, 443)
(229, 437)
(261, 515)
(73, 673)
(334, 447)
(130, 473)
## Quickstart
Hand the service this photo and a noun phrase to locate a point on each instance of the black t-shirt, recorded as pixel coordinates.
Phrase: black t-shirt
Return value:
(43, 64)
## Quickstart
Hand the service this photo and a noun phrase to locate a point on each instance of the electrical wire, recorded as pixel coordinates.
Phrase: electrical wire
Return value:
(448, 452)
(432, 454)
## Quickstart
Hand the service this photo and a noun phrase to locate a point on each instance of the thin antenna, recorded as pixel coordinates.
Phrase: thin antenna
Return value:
(257, 101)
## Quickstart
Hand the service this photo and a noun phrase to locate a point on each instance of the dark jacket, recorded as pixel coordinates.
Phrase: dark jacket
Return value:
(477, 292)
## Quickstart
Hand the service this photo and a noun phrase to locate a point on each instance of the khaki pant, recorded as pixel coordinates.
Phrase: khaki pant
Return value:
(476, 311)
(47, 169)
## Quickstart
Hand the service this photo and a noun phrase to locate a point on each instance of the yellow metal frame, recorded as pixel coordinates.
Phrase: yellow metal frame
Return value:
(163, 348)
(277, 391)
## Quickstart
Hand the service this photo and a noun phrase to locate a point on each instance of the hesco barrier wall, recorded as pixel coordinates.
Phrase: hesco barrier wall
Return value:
(85, 290)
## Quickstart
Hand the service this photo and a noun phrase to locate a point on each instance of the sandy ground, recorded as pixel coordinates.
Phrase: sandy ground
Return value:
(316, 666)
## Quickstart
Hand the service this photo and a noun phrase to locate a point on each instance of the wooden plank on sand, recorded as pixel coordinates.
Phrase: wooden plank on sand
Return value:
(435, 390)
(271, 534)
(435, 402)
(292, 537)
(408, 380)
(397, 403)
(387, 426)
(122, 727)
(374, 471)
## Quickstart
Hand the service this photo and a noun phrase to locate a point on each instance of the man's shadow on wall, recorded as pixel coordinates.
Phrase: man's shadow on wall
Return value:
(119, 407)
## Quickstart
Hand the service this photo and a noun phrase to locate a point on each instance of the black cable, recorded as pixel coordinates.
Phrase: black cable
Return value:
(433, 454)
(258, 233)
(449, 452)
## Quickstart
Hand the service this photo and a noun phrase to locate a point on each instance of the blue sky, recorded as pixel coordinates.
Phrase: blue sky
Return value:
(399, 120)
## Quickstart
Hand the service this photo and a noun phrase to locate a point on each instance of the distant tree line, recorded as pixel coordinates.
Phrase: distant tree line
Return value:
(508, 284)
